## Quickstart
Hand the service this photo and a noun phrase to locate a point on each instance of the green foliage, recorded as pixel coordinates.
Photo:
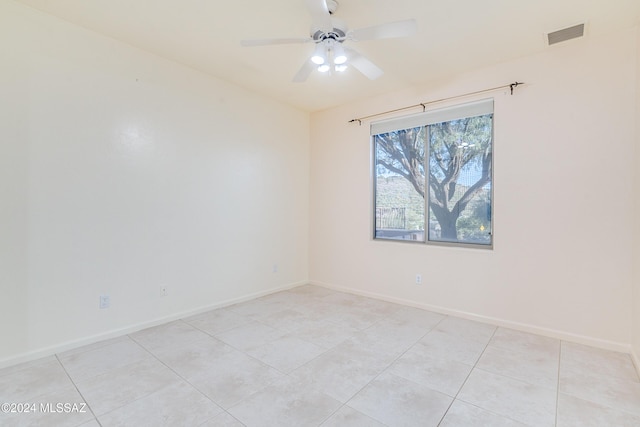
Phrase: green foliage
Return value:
(458, 141)
(459, 176)
(393, 191)
(474, 224)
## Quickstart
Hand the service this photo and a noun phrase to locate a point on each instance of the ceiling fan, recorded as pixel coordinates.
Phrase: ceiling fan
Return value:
(329, 34)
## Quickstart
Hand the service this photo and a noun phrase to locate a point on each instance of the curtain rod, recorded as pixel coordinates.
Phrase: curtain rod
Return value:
(511, 86)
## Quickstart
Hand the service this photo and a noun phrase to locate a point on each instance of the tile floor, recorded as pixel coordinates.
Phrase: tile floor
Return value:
(315, 357)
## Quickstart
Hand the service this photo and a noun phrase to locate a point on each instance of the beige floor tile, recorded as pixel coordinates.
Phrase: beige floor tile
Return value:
(232, 377)
(89, 364)
(509, 339)
(285, 403)
(466, 329)
(251, 335)
(581, 358)
(338, 375)
(609, 391)
(349, 417)
(574, 412)
(533, 368)
(344, 299)
(378, 307)
(26, 365)
(395, 401)
(123, 385)
(288, 320)
(312, 356)
(61, 408)
(195, 358)
(372, 349)
(286, 353)
(177, 405)
(445, 345)
(324, 334)
(326, 312)
(217, 321)
(517, 400)
(222, 420)
(356, 318)
(92, 423)
(289, 299)
(33, 379)
(443, 375)
(398, 330)
(423, 318)
(462, 414)
(312, 291)
(256, 307)
(167, 336)
(93, 346)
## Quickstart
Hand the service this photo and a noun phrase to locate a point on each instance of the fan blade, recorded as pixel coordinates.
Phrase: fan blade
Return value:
(304, 72)
(362, 64)
(320, 17)
(384, 31)
(265, 42)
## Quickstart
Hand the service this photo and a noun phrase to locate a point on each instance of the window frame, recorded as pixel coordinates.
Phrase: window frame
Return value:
(431, 117)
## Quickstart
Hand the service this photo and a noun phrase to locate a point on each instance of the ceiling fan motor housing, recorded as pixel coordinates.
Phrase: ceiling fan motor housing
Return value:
(336, 34)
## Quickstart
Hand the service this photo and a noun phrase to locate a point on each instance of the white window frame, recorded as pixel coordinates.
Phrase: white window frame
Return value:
(470, 109)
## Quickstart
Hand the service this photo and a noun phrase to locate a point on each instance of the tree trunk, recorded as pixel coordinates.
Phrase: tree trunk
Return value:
(448, 229)
(447, 221)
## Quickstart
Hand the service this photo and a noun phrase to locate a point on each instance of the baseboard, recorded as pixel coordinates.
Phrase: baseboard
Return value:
(552, 333)
(114, 333)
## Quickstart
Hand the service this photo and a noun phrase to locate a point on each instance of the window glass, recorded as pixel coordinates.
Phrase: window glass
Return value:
(452, 159)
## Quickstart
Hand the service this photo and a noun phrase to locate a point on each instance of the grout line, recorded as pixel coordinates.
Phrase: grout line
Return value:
(393, 361)
(381, 317)
(468, 375)
(183, 379)
(78, 390)
(478, 368)
(558, 383)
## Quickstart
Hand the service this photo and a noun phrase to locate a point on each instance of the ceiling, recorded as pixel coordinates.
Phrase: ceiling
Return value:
(452, 37)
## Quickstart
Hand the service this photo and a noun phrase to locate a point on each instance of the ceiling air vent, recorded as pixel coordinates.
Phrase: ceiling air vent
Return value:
(565, 34)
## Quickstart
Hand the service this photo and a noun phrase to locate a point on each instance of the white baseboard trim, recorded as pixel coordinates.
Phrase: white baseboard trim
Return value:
(552, 333)
(70, 345)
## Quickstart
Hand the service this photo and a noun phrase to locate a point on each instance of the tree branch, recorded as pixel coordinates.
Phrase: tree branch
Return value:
(473, 190)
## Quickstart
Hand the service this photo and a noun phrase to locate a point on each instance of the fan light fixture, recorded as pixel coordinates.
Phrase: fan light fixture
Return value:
(329, 52)
(339, 56)
(329, 33)
(319, 55)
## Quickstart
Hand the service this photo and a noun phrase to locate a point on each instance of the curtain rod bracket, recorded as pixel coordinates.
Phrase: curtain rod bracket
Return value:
(514, 85)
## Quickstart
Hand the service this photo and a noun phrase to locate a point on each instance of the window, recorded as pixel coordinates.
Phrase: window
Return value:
(445, 154)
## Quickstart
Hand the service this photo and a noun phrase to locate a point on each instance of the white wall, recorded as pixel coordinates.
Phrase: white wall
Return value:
(121, 172)
(636, 279)
(563, 209)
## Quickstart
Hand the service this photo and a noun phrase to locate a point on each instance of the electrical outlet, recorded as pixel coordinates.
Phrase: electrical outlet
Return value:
(418, 279)
(274, 268)
(105, 301)
(163, 291)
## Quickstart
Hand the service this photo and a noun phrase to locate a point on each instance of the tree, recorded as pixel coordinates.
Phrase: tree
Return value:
(454, 146)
